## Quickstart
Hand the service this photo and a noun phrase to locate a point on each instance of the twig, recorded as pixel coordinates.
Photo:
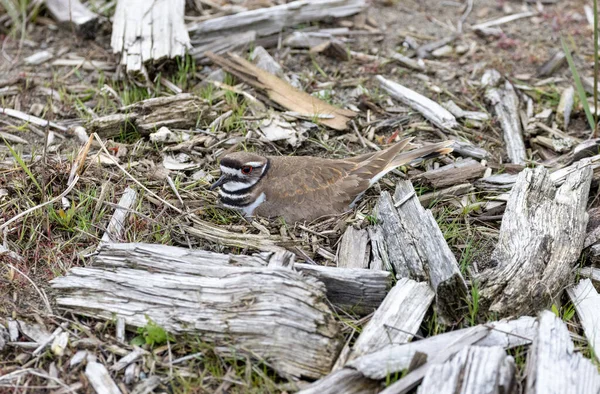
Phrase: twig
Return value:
(39, 291)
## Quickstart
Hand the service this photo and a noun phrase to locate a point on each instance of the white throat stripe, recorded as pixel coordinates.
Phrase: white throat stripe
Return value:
(235, 186)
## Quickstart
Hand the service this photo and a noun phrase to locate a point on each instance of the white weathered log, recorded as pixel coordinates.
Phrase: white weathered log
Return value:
(397, 319)
(461, 113)
(13, 113)
(454, 173)
(540, 240)
(395, 358)
(482, 370)
(148, 30)
(347, 381)
(587, 304)
(592, 273)
(360, 290)
(553, 366)
(431, 110)
(353, 251)
(98, 376)
(417, 249)
(466, 149)
(116, 226)
(276, 314)
(272, 20)
(74, 13)
(506, 105)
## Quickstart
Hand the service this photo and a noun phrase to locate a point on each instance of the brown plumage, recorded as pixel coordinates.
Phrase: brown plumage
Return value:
(300, 188)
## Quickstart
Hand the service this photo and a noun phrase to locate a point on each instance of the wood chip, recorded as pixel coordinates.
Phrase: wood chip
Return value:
(587, 304)
(99, 378)
(282, 92)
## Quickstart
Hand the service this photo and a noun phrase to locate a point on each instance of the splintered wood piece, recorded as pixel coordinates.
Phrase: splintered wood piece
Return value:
(282, 92)
(13, 113)
(148, 30)
(506, 105)
(100, 379)
(228, 43)
(356, 289)
(540, 240)
(473, 370)
(431, 110)
(360, 290)
(454, 173)
(397, 319)
(241, 308)
(347, 381)
(587, 304)
(553, 366)
(565, 106)
(395, 358)
(380, 259)
(272, 20)
(417, 249)
(178, 111)
(353, 251)
(75, 13)
(116, 226)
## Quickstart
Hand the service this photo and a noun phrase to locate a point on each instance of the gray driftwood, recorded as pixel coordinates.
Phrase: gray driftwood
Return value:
(431, 110)
(235, 307)
(506, 105)
(347, 381)
(474, 369)
(100, 379)
(272, 20)
(359, 290)
(379, 256)
(416, 249)
(553, 366)
(178, 111)
(540, 240)
(72, 12)
(454, 173)
(353, 251)
(148, 31)
(397, 319)
(587, 304)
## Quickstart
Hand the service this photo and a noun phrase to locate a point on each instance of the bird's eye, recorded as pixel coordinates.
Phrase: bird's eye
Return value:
(246, 170)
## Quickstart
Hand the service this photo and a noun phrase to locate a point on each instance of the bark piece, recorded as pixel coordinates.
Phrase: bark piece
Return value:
(360, 290)
(282, 92)
(553, 366)
(353, 251)
(179, 111)
(540, 240)
(506, 105)
(469, 150)
(587, 304)
(72, 12)
(275, 313)
(397, 319)
(148, 31)
(272, 20)
(453, 174)
(484, 370)
(417, 249)
(431, 110)
(379, 256)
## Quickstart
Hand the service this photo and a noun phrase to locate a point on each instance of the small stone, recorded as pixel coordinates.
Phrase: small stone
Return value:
(37, 109)
(444, 51)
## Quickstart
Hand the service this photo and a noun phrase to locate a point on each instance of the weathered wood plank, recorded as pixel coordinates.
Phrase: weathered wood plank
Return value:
(148, 30)
(506, 105)
(397, 319)
(116, 226)
(272, 20)
(453, 174)
(417, 249)
(540, 240)
(553, 366)
(74, 13)
(395, 358)
(235, 307)
(353, 250)
(587, 304)
(482, 370)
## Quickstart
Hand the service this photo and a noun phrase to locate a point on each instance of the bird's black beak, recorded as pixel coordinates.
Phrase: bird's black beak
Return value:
(218, 183)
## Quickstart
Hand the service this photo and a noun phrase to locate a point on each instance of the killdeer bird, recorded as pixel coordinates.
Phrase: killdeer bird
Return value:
(304, 188)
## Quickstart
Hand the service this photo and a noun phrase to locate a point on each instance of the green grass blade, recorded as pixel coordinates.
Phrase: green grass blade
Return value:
(22, 164)
(578, 84)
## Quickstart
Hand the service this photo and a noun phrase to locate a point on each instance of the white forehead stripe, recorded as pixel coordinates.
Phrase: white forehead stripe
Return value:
(254, 164)
(230, 171)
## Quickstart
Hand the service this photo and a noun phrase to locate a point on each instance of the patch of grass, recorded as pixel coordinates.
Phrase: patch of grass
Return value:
(565, 313)
(578, 85)
(152, 335)
(473, 304)
(186, 68)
